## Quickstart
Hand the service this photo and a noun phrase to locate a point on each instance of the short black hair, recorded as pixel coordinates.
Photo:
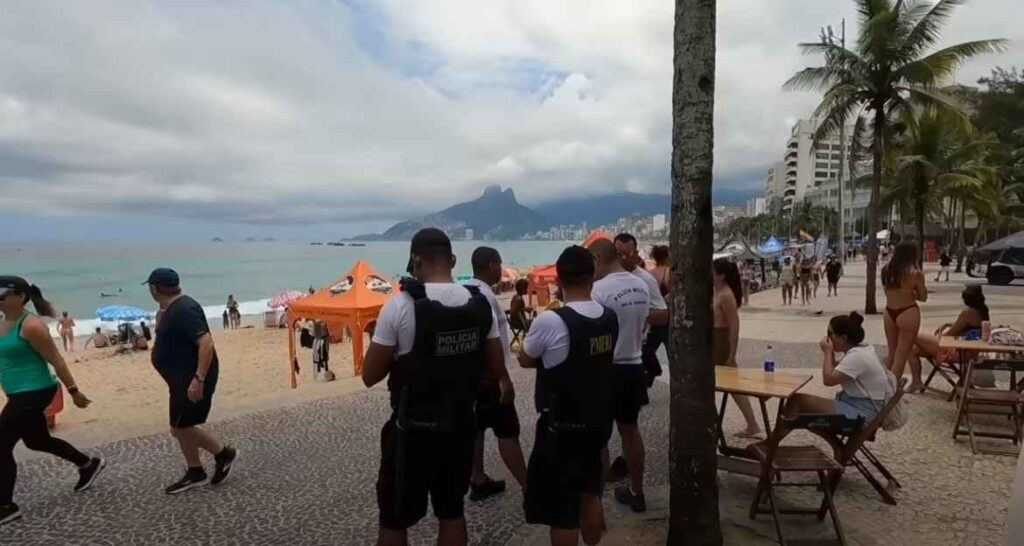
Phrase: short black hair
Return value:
(483, 257)
(625, 238)
(430, 244)
(575, 266)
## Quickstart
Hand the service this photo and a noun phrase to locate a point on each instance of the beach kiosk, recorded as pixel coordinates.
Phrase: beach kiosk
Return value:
(353, 302)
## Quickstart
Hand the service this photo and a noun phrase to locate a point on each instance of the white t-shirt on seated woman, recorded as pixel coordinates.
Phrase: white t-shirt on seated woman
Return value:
(861, 364)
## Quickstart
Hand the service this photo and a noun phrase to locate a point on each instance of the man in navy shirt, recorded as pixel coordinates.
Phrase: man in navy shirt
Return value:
(184, 356)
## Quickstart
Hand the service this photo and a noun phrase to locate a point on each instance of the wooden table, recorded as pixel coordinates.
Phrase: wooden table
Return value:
(757, 384)
(963, 346)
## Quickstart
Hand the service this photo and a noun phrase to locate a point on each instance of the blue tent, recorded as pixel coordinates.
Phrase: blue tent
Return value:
(771, 246)
(122, 313)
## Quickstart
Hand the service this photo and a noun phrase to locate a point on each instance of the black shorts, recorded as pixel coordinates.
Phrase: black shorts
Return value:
(437, 464)
(562, 468)
(492, 414)
(629, 392)
(184, 413)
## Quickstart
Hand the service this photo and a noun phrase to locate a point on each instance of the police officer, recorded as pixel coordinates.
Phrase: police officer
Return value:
(628, 296)
(433, 341)
(490, 414)
(572, 349)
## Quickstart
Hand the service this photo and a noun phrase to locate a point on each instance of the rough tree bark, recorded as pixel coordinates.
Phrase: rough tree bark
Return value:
(876, 189)
(693, 464)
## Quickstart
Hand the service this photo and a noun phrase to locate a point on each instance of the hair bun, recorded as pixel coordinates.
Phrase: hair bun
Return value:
(857, 318)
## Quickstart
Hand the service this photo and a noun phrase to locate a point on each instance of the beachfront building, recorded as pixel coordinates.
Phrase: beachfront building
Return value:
(855, 203)
(775, 184)
(757, 206)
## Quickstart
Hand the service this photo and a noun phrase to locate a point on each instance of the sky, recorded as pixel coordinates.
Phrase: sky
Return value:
(312, 119)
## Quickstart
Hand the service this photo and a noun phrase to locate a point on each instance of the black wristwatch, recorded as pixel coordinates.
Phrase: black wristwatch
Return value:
(72, 390)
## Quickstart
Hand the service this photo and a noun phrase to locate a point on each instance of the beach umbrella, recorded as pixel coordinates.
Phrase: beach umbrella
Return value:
(771, 246)
(122, 313)
(284, 299)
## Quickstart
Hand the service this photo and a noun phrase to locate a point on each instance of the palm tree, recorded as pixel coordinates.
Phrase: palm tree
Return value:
(936, 156)
(693, 462)
(885, 73)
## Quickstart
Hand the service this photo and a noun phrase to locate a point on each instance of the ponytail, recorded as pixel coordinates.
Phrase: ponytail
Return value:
(42, 306)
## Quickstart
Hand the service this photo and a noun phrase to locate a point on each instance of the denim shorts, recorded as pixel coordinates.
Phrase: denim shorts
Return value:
(853, 407)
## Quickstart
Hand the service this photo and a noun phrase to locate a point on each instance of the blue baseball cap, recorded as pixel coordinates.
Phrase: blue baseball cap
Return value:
(163, 276)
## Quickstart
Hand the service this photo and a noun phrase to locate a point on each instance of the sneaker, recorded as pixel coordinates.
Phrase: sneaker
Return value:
(619, 469)
(87, 474)
(223, 461)
(193, 478)
(624, 494)
(9, 513)
(487, 488)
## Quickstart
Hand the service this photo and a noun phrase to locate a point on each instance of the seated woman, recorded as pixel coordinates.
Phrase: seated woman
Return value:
(862, 376)
(970, 318)
(519, 313)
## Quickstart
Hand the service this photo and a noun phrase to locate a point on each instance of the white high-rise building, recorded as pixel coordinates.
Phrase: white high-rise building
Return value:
(804, 166)
(658, 222)
(757, 206)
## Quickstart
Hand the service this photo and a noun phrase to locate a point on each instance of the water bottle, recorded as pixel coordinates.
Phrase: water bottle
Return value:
(769, 360)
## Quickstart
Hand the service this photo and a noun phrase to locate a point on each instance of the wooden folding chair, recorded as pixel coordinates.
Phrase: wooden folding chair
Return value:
(853, 451)
(516, 327)
(952, 373)
(981, 401)
(777, 460)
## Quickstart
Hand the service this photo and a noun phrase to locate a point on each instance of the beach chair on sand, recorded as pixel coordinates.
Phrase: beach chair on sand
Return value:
(951, 372)
(777, 460)
(983, 401)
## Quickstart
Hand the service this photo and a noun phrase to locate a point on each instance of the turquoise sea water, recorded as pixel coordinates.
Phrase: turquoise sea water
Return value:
(73, 276)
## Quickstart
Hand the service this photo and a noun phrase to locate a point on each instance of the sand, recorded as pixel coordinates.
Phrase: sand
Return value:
(130, 399)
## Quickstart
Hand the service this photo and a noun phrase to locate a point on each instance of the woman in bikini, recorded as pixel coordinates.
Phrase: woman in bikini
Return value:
(904, 287)
(975, 312)
(727, 298)
(66, 329)
(662, 271)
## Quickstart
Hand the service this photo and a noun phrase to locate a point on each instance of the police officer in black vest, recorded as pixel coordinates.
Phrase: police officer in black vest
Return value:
(572, 349)
(434, 342)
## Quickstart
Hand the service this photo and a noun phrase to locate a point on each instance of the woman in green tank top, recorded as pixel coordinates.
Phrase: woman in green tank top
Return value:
(26, 353)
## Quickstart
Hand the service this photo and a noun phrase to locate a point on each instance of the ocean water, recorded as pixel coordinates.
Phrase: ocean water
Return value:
(73, 276)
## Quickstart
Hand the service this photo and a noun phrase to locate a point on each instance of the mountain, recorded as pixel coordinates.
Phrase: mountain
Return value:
(607, 209)
(603, 209)
(494, 215)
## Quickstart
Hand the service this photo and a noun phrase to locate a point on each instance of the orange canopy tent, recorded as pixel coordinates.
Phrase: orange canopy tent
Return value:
(349, 303)
(544, 276)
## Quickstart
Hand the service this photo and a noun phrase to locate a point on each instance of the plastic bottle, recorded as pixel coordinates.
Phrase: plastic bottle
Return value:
(769, 360)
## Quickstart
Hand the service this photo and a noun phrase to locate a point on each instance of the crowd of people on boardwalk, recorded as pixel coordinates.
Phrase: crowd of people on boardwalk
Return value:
(444, 348)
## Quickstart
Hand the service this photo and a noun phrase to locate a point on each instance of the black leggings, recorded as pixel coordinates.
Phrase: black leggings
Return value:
(23, 419)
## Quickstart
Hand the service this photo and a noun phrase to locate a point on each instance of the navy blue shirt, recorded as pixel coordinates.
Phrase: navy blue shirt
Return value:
(176, 349)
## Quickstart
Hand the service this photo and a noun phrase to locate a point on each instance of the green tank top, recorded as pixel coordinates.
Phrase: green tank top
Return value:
(22, 369)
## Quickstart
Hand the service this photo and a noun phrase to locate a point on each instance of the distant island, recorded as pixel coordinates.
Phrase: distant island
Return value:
(217, 240)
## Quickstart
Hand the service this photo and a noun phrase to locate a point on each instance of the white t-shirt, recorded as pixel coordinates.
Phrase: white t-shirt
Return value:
(499, 312)
(627, 295)
(653, 288)
(548, 338)
(861, 363)
(396, 326)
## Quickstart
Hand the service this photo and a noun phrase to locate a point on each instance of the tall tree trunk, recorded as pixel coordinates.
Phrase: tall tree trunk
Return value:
(919, 224)
(961, 249)
(876, 189)
(693, 462)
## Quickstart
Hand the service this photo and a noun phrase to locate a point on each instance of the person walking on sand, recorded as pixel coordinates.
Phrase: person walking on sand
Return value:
(787, 279)
(727, 297)
(904, 287)
(185, 357)
(233, 314)
(26, 353)
(66, 329)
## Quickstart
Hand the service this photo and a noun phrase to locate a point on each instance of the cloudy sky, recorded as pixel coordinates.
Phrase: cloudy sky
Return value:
(315, 118)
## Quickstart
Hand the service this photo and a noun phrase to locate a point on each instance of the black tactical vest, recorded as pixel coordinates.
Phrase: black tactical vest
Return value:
(576, 394)
(435, 384)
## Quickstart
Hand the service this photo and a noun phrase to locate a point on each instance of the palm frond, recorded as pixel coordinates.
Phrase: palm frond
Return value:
(929, 96)
(928, 28)
(940, 64)
(815, 78)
